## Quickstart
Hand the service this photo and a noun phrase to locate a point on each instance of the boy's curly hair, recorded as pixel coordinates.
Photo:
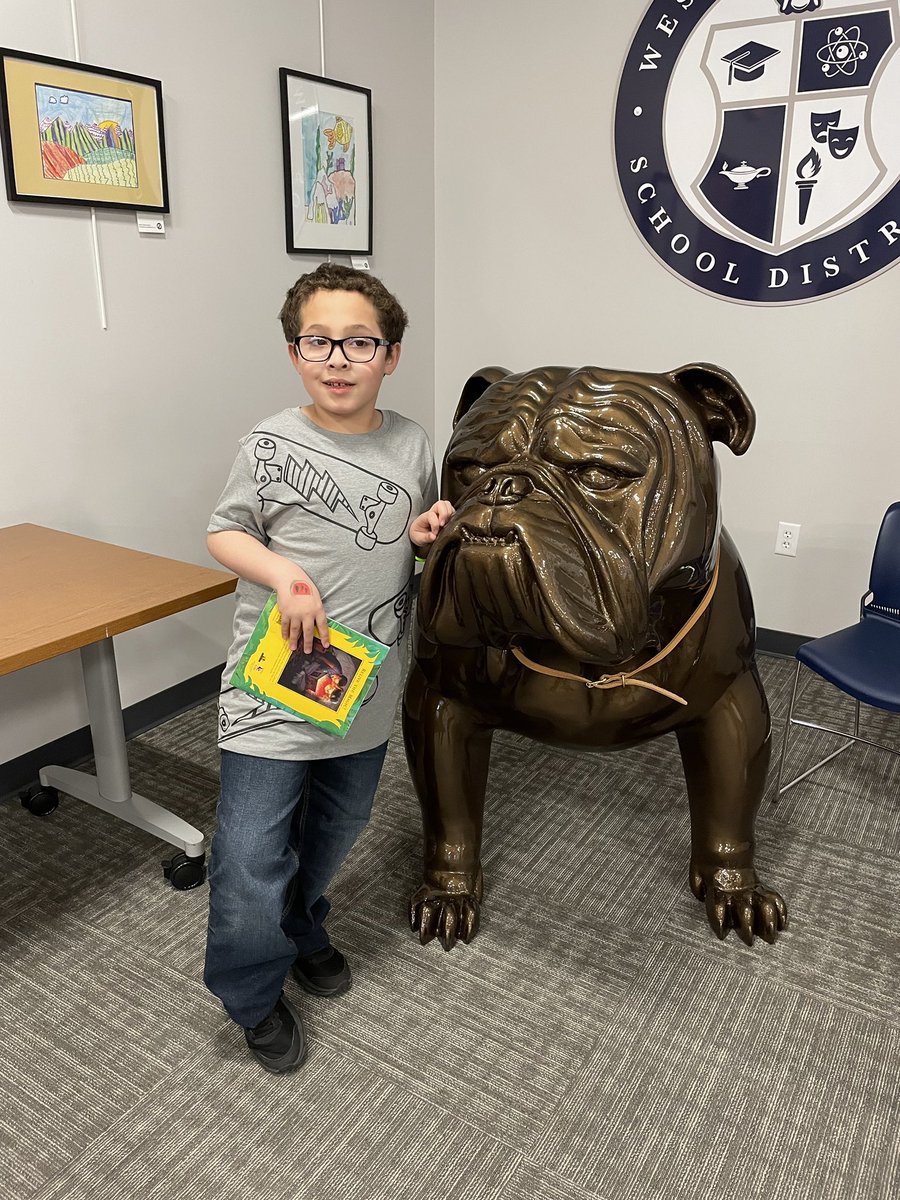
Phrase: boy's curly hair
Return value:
(333, 277)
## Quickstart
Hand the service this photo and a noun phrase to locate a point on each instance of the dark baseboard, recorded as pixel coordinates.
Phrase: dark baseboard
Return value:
(66, 751)
(776, 641)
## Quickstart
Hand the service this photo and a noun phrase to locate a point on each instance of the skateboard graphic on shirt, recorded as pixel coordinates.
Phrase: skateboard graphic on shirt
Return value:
(375, 510)
(388, 620)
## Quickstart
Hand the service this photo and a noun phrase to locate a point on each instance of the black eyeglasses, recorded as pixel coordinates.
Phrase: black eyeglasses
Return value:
(315, 347)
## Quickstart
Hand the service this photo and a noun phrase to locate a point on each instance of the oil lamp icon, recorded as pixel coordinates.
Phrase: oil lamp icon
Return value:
(807, 169)
(743, 175)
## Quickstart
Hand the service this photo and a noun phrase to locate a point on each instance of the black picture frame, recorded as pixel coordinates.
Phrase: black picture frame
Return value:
(326, 130)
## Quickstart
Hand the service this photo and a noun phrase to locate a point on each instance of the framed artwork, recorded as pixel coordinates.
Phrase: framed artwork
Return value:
(327, 135)
(74, 134)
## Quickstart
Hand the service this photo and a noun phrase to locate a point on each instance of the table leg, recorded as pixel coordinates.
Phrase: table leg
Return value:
(110, 790)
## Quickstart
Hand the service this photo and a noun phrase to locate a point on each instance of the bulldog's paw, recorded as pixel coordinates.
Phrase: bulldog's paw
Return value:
(737, 900)
(450, 912)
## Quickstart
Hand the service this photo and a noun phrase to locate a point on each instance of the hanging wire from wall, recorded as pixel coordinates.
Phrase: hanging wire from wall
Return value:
(94, 235)
(321, 56)
(321, 37)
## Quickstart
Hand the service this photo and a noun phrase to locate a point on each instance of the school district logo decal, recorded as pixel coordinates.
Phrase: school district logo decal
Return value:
(757, 143)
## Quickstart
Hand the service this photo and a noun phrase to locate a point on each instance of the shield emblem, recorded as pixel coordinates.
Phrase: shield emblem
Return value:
(793, 156)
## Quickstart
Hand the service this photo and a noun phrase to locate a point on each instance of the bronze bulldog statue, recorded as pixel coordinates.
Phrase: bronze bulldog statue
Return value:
(584, 594)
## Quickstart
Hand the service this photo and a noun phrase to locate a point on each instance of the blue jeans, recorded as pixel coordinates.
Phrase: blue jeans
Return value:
(284, 829)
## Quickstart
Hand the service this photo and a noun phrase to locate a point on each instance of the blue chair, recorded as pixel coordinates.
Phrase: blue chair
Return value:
(862, 660)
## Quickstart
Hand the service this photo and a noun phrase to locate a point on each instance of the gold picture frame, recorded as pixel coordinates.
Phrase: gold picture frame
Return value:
(78, 134)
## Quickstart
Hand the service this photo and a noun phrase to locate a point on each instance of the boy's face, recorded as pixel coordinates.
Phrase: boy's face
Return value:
(342, 393)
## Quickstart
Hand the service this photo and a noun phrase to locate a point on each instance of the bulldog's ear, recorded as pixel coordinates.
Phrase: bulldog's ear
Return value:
(475, 386)
(722, 402)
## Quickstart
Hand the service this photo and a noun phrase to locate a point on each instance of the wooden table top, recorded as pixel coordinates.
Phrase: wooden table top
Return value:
(59, 592)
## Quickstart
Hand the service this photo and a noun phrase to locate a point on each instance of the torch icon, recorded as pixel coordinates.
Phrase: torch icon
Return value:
(807, 169)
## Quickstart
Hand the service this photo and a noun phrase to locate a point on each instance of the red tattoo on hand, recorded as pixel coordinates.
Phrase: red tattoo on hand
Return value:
(299, 588)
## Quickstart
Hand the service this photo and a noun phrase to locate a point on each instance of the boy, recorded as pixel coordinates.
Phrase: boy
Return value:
(320, 507)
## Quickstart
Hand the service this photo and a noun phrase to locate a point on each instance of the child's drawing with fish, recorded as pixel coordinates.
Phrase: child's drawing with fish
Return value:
(329, 143)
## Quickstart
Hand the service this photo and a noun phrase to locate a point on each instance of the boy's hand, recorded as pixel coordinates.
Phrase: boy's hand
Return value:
(302, 612)
(426, 527)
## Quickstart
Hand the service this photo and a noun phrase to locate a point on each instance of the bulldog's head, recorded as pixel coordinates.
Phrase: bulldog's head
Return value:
(581, 496)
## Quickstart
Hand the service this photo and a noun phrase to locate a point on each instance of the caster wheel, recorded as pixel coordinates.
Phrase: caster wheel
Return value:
(40, 801)
(184, 873)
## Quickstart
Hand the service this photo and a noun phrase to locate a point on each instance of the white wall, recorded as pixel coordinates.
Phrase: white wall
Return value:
(537, 263)
(127, 435)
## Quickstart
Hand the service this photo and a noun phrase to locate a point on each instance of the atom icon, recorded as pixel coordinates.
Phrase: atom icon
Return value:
(843, 52)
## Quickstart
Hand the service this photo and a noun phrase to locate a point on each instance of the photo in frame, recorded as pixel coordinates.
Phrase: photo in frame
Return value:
(76, 134)
(325, 685)
(327, 138)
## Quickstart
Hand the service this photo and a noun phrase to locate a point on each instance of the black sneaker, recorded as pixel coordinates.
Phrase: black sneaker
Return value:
(325, 973)
(278, 1042)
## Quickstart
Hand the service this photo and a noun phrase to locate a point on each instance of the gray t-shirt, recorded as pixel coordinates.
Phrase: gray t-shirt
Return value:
(339, 505)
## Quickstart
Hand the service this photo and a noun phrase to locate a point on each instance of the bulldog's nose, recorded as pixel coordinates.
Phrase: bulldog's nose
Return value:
(505, 489)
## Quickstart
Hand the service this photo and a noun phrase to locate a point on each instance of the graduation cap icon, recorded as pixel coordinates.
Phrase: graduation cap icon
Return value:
(748, 61)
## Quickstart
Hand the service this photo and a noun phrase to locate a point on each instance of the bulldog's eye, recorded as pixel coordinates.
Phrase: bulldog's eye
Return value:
(600, 480)
(606, 475)
(466, 470)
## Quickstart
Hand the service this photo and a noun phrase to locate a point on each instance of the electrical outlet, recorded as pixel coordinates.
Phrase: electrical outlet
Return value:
(787, 539)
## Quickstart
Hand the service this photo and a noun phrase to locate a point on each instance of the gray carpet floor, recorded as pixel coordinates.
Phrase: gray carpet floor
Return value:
(595, 1042)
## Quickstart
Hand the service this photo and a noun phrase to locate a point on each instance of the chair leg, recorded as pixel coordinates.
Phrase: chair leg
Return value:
(850, 740)
(787, 730)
